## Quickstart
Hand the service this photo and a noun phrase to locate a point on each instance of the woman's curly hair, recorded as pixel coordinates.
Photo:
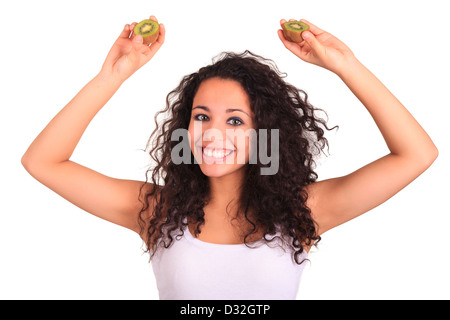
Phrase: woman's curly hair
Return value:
(279, 200)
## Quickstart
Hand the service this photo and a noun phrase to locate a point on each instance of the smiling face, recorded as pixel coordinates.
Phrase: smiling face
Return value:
(219, 127)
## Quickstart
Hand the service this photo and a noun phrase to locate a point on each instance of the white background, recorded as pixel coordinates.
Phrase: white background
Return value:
(51, 249)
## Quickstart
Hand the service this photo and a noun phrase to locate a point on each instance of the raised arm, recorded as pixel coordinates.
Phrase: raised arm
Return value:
(335, 201)
(48, 157)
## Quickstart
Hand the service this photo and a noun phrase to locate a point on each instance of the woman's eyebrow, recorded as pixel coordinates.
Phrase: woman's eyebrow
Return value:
(227, 111)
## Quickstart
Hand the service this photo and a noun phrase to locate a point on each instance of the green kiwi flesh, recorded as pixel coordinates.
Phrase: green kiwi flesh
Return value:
(148, 29)
(293, 30)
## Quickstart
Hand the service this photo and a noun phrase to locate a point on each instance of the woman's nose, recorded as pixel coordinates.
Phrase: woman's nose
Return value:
(215, 135)
(215, 129)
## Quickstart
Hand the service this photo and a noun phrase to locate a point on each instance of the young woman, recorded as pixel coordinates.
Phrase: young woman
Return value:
(217, 227)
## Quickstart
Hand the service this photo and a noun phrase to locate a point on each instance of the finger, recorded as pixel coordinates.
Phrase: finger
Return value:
(291, 46)
(281, 35)
(132, 26)
(154, 47)
(137, 42)
(132, 30)
(302, 44)
(162, 34)
(311, 40)
(141, 49)
(313, 28)
(125, 32)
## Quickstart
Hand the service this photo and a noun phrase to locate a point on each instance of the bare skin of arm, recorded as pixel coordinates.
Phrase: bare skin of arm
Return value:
(48, 157)
(338, 200)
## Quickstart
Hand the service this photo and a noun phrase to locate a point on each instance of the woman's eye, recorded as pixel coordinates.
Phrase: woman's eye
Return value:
(200, 117)
(236, 121)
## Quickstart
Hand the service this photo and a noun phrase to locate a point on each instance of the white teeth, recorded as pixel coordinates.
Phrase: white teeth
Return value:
(216, 153)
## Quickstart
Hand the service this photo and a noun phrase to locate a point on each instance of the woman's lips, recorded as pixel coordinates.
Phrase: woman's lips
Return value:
(215, 154)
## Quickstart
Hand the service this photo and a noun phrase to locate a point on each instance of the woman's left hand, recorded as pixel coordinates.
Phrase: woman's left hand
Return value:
(320, 48)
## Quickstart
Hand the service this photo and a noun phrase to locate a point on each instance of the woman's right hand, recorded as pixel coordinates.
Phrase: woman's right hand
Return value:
(129, 53)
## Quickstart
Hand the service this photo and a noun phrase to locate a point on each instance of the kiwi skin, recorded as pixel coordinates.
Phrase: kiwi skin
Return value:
(294, 35)
(151, 38)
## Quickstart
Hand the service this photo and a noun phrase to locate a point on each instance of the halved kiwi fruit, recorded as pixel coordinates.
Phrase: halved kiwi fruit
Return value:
(148, 29)
(293, 30)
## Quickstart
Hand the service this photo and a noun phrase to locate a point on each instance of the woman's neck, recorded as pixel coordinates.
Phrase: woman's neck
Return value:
(225, 189)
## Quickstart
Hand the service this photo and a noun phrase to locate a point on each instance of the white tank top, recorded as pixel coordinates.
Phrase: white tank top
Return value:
(191, 269)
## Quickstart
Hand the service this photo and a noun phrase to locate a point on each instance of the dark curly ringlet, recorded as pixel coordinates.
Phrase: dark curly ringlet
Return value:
(278, 200)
